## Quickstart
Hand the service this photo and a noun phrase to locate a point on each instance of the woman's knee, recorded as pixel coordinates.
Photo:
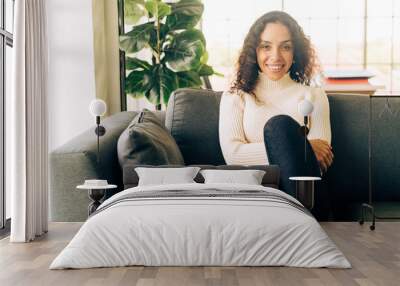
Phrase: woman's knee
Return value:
(281, 123)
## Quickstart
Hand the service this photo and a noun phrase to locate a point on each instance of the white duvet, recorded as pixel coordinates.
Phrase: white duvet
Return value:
(200, 231)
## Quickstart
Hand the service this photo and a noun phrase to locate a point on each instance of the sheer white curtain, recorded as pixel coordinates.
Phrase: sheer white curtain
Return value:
(29, 163)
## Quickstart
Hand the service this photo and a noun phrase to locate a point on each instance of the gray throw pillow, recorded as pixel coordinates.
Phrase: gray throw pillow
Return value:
(147, 141)
(192, 116)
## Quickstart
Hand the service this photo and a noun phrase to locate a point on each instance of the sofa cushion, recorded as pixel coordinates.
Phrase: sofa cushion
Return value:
(192, 117)
(147, 141)
(349, 123)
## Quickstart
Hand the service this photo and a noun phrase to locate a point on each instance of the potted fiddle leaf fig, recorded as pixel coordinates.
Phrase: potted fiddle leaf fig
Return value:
(166, 51)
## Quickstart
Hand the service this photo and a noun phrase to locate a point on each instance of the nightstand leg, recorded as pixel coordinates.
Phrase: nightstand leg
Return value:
(305, 193)
(95, 195)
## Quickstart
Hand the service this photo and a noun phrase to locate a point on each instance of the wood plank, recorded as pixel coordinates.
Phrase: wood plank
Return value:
(375, 257)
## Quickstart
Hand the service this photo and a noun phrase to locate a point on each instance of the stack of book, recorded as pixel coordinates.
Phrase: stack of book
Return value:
(349, 81)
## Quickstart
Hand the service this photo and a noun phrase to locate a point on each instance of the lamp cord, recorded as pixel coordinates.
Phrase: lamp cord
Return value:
(305, 149)
(98, 145)
(305, 138)
(98, 139)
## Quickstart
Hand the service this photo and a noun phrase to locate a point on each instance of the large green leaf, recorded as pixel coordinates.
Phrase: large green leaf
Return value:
(135, 63)
(164, 82)
(153, 95)
(188, 7)
(137, 38)
(137, 83)
(133, 11)
(185, 50)
(168, 83)
(181, 21)
(153, 36)
(189, 79)
(205, 70)
(158, 9)
(185, 14)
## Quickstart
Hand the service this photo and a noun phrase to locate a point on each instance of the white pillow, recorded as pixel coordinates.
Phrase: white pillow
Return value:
(165, 176)
(248, 177)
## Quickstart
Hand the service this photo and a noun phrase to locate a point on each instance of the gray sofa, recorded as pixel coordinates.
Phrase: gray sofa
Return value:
(192, 119)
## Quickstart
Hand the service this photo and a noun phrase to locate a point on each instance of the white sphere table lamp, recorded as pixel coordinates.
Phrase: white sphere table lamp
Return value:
(305, 108)
(305, 184)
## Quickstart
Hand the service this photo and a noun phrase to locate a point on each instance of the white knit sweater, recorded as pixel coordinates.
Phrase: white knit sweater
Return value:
(242, 117)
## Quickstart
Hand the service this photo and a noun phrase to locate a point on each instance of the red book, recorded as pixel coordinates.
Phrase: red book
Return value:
(346, 81)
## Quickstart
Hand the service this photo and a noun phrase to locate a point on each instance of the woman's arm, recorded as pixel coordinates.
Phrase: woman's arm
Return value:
(234, 146)
(320, 118)
(320, 129)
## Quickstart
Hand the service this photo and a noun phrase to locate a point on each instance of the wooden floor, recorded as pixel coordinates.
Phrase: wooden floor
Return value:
(375, 256)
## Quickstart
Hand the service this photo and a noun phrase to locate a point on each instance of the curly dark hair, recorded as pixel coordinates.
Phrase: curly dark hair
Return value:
(305, 60)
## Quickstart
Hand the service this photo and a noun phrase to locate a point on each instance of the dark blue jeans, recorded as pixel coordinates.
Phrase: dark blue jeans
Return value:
(285, 147)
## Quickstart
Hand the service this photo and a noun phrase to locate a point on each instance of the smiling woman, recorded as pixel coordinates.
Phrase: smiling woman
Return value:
(275, 57)
(259, 118)
(275, 49)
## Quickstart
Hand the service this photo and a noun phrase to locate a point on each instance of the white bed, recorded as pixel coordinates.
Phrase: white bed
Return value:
(184, 230)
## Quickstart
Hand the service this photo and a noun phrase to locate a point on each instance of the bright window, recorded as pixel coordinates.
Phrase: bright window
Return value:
(346, 34)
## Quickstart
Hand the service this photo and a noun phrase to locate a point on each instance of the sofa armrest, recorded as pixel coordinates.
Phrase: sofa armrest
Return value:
(76, 161)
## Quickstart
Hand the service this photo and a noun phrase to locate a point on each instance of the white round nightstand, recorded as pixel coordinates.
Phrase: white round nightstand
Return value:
(305, 190)
(95, 193)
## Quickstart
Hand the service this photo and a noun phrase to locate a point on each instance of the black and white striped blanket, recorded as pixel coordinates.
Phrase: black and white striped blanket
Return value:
(205, 194)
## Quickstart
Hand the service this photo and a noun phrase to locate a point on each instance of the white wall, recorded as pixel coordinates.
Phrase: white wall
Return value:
(71, 69)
